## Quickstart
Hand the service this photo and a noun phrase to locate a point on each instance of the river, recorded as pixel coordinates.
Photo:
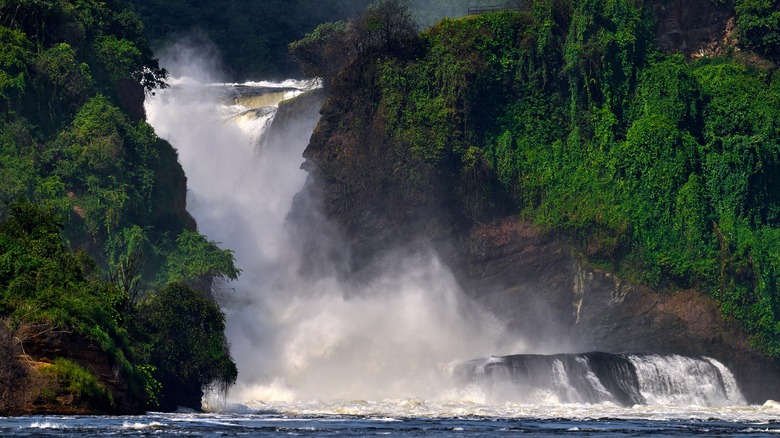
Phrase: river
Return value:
(529, 421)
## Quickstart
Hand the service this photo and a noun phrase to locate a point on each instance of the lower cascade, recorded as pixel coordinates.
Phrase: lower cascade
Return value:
(597, 377)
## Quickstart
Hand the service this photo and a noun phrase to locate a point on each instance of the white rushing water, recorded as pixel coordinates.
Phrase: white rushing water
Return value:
(386, 346)
(295, 337)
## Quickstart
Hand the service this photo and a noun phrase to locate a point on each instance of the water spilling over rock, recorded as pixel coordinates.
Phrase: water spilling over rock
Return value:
(597, 377)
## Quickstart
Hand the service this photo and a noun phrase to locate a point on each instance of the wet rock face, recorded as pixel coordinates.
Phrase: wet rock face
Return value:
(524, 277)
(555, 302)
(131, 97)
(552, 301)
(690, 26)
(353, 164)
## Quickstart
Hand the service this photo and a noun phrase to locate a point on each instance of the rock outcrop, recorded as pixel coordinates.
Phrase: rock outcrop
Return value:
(554, 298)
(692, 26)
(32, 348)
(543, 288)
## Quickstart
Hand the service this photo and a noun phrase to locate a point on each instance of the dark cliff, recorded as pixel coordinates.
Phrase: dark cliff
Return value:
(384, 184)
(92, 215)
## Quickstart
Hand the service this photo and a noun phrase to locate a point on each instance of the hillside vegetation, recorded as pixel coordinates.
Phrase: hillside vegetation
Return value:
(94, 237)
(660, 168)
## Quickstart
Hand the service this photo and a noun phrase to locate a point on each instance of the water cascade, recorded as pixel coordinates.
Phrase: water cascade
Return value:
(394, 336)
(623, 379)
(295, 335)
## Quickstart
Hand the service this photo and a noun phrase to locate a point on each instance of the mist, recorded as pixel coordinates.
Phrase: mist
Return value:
(299, 327)
(194, 56)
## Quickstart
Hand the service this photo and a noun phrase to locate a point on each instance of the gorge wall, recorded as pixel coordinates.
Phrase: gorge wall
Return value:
(692, 27)
(537, 281)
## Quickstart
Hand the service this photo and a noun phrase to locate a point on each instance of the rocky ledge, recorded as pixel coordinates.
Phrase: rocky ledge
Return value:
(33, 380)
(553, 297)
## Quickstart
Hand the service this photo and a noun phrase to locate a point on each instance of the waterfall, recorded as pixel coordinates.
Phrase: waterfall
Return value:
(299, 335)
(679, 380)
(623, 379)
(294, 335)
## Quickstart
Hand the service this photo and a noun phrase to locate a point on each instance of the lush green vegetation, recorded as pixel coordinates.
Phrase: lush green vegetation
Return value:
(91, 200)
(183, 335)
(78, 382)
(759, 26)
(660, 168)
(44, 281)
(387, 26)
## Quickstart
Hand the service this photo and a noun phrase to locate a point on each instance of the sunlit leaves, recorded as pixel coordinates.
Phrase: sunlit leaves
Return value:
(663, 168)
(120, 58)
(41, 280)
(14, 51)
(195, 256)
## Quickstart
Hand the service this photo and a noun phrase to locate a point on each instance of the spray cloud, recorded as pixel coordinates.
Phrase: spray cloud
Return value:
(297, 336)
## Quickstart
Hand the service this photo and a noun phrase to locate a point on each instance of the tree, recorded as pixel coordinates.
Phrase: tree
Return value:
(758, 26)
(183, 332)
(41, 280)
(196, 257)
(386, 26)
(323, 52)
(14, 49)
(92, 177)
(68, 79)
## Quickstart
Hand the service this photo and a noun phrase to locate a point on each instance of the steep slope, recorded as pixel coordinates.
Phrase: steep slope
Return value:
(93, 225)
(582, 184)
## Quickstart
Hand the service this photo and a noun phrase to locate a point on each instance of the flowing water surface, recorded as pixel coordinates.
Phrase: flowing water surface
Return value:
(311, 421)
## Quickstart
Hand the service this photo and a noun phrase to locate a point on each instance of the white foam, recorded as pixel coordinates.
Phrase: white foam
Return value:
(47, 425)
(142, 426)
(676, 380)
(772, 404)
(450, 408)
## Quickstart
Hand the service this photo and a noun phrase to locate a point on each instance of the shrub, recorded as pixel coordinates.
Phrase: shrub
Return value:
(80, 383)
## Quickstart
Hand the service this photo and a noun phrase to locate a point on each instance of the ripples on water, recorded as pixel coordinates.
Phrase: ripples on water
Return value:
(415, 417)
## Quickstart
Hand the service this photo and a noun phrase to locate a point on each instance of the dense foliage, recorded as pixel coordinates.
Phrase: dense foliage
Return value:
(183, 336)
(43, 280)
(660, 168)
(759, 26)
(91, 200)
